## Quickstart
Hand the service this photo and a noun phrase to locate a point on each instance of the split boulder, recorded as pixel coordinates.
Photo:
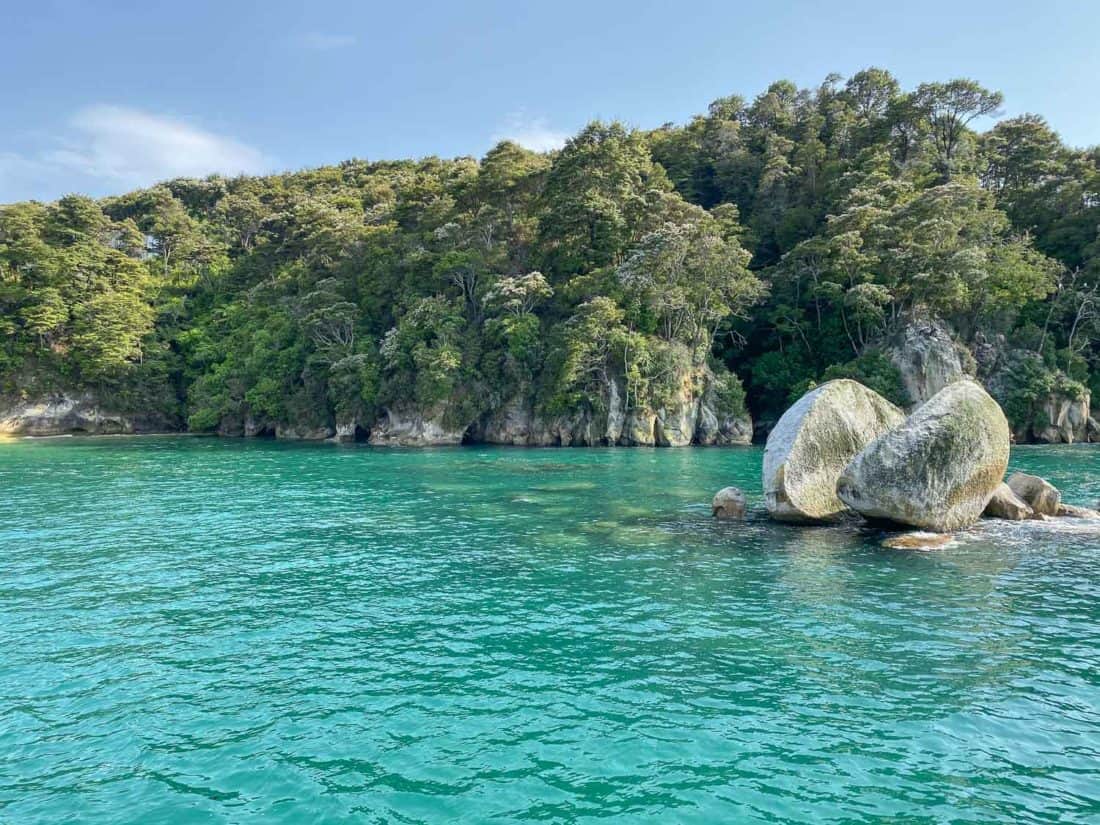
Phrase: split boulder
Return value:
(814, 441)
(936, 471)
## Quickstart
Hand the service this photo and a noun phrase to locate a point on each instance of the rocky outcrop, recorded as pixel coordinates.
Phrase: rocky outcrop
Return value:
(407, 427)
(1038, 493)
(516, 423)
(1093, 430)
(926, 354)
(938, 470)
(719, 423)
(814, 441)
(1006, 505)
(1062, 419)
(728, 503)
(695, 414)
(79, 413)
(1050, 407)
(1070, 511)
(303, 432)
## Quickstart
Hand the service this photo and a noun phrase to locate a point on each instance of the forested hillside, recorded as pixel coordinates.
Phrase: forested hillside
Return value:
(633, 287)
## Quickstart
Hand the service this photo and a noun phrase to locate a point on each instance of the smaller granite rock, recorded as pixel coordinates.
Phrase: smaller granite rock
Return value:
(729, 503)
(1038, 493)
(1005, 504)
(1093, 430)
(917, 541)
(1069, 511)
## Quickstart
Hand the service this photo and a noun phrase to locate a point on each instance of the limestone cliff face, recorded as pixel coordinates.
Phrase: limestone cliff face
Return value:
(407, 426)
(930, 357)
(694, 415)
(1063, 419)
(1061, 416)
(77, 413)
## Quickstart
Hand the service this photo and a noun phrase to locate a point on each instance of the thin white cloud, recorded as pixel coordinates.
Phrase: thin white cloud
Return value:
(114, 148)
(323, 42)
(532, 133)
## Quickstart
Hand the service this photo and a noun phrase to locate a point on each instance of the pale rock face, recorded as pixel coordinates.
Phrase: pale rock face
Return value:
(302, 432)
(1065, 420)
(414, 428)
(939, 469)
(510, 424)
(639, 429)
(1005, 504)
(728, 503)
(1093, 430)
(1039, 494)
(927, 357)
(675, 427)
(814, 441)
(78, 413)
(254, 428)
(346, 430)
(689, 418)
(712, 428)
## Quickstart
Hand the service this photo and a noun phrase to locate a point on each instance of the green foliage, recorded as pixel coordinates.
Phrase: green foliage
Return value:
(1028, 383)
(874, 370)
(783, 237)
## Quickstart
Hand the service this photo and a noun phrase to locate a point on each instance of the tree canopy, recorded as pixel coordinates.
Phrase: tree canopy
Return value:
(780, 239)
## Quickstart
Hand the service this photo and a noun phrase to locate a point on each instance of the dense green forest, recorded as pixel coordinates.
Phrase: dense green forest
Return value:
(762, 247)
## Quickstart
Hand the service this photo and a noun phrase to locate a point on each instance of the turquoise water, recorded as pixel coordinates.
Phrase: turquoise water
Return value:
(199, 630)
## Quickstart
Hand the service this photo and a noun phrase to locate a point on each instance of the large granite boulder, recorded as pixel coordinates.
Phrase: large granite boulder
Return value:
(814, 441)
(939, 469)
(1040, 495)
(1006, 505)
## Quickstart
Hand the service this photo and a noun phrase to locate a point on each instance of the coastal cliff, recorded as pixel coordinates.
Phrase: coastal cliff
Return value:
(82, 413)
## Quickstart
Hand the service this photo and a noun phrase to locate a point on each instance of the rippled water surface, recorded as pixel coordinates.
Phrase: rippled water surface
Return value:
(198, 630)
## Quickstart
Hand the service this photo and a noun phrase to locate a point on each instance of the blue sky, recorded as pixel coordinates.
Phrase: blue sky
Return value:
(103, 97)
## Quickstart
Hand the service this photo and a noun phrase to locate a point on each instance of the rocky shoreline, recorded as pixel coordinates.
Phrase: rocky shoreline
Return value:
(844, 454)
(927, 353)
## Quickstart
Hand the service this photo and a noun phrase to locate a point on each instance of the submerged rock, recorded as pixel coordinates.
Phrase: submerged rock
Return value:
(939, 469)
(1069, 511)
(814, 441)
(917, 541)
(1039, 494)
(1005, 504)
(728, 503)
